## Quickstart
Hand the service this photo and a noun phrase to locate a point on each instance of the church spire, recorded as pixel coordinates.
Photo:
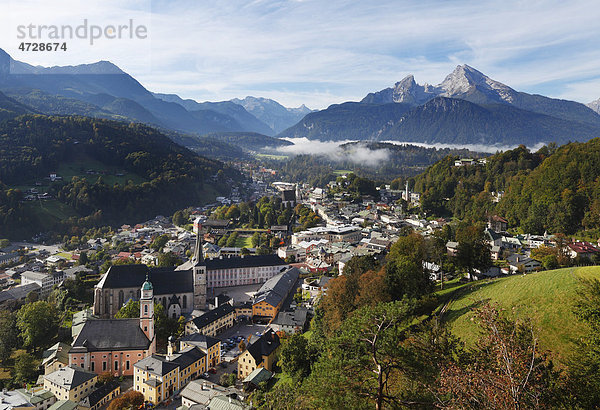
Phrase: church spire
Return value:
(198, 258)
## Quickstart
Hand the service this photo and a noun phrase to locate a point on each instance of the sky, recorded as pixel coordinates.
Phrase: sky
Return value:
(322, 52)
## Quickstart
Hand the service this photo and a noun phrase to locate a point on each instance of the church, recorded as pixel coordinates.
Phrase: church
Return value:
(182, 289)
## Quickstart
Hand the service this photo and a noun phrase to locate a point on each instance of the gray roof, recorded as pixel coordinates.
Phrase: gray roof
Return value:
(97, 395)
(59, 351)
(110, 334)
(260, 374)
(202, 341)
(276, 289)
(63, 405)
(227, 403)
(201, 391)
(69, 377)
(166, 281)
(295, 318)
(19, 292)
(212, 315)
(157, 365)
(187, 356)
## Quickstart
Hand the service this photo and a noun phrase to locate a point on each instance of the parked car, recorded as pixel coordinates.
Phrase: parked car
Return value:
(204, 375)
(212, 370)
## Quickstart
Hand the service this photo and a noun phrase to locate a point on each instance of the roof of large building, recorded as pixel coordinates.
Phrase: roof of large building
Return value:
(212, 315)
(63, 405)
(276, 289)
(97, 395)
(202, 341)
(264, 345)
(165, 281)
(187, 356)
(295, 318)
(201, 391)
(110, 334)
(222, 402)
(157, 365)
(19, 292)
(69, 377)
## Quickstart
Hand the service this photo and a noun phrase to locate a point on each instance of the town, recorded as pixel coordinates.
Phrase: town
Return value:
(193, 309)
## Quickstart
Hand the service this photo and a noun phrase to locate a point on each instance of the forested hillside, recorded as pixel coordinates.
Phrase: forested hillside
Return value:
(553, 189)
(122, 172)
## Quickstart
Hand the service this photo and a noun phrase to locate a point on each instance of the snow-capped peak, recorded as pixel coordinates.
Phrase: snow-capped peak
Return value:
(595, 105)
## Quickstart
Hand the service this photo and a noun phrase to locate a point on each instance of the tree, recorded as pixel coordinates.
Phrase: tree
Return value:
(10, 334)
(159, 242)
(506, 370)
(130, 400)
(583, 376)
(473, 250)
(83, 259)
(178, 218)
(38, 324)
(363, 363)
(26, 368)
(168, 259)
(105, 378)
(405, 273)
(297, 356)
(242, 345)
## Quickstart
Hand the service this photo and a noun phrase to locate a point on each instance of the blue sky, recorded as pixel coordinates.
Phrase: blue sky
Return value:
(320, 52)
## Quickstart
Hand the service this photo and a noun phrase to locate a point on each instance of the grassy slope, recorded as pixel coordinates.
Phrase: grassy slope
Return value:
(545, 297)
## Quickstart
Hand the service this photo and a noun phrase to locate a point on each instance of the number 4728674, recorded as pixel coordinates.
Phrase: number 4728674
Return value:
(43, 46)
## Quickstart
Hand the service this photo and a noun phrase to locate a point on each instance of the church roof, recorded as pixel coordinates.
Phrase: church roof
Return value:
(110, 334)
(165, 281)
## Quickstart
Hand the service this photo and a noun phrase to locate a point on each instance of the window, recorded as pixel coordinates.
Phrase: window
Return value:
(93, 366)
(127, 365)
(116, 365)
(145, 308)
(103, 366)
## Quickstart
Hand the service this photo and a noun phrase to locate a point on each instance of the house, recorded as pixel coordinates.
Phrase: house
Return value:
(101, 396)
(452, 248)
(254, 379)
(290, 322)
(18, 293)
(46, 281)
(269, 299)
(159, 377)
(114, 345)
(260, 353)
(55, 357)
(63, 405)
(517, 262)
(582, 249)
(497, 223)
(209, 345)
(212, 322)
(70, 383)
(199, 393)
(227, 402)
(30, 399)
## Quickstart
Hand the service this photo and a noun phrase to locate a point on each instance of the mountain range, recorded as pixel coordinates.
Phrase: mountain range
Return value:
(466, 108)
(103, 90)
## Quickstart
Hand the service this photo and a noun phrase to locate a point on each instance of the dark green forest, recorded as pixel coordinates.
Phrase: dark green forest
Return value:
(33, 146)
(553, 189)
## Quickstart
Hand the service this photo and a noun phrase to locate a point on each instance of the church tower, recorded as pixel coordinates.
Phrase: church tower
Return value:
(199, 272)
(147, 314)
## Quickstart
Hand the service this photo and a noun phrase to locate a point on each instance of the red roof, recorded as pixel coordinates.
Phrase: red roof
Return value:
(583, 247)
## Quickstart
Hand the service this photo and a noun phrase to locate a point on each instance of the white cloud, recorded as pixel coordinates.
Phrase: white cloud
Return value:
(357, 153)
(322, 52)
